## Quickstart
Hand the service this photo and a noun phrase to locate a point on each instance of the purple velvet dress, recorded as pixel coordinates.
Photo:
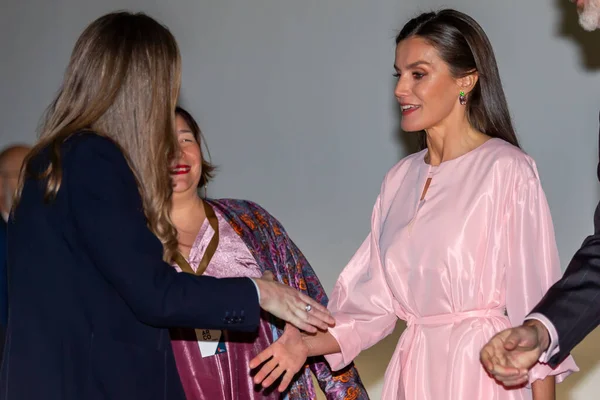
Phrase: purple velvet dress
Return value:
(247, 233)
(218, 376)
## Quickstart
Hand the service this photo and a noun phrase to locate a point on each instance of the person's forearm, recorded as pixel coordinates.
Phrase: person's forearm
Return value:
(542, 332)
(321, 343)
(544, 389)
(570, 303)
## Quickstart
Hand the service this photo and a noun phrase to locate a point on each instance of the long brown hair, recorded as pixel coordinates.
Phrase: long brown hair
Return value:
(464, 46)
(122, 82)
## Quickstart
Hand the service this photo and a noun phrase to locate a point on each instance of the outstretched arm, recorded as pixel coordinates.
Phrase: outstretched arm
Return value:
(288, 354)
(571, 305)
(108, 214)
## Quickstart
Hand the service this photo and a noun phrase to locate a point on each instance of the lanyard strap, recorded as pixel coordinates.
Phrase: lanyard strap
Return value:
(210, 249)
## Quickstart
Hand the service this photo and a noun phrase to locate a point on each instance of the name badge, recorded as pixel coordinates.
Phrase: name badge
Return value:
(209, 342)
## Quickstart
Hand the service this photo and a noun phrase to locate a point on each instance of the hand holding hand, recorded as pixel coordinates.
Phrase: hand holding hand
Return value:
(510, 354)
(284, 357)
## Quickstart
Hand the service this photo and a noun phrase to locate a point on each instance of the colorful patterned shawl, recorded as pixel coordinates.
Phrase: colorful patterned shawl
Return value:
(274, 251)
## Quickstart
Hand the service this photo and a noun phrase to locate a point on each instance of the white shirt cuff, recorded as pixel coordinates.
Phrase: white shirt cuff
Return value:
(553, 347)
(257, 289)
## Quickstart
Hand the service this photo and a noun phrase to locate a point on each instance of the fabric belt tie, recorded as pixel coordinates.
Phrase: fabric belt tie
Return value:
(451, 318)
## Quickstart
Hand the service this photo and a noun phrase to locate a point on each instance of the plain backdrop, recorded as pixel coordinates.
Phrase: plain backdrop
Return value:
(295, 99)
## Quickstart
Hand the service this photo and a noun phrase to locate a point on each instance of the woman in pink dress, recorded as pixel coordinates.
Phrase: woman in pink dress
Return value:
(461, 244)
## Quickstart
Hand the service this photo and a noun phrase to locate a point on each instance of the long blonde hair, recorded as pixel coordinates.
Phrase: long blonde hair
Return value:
(122, 82)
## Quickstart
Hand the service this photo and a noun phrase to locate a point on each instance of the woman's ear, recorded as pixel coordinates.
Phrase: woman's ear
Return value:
(468, 82)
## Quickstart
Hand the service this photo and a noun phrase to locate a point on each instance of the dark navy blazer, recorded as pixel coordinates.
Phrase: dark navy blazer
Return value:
(91, 298)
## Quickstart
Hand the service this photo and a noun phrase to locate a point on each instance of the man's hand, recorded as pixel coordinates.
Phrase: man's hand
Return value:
(292, 306)
(510, 354)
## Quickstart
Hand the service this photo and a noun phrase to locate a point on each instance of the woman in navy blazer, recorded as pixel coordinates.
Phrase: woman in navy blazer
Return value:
(91, 290)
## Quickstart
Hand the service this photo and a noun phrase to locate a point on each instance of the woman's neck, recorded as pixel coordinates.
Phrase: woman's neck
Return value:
(451, 140)
(187, 211)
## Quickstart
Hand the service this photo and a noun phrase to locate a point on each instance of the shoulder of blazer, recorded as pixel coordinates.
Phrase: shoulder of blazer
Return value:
(94, 162)
(89, 140)
(87, 148)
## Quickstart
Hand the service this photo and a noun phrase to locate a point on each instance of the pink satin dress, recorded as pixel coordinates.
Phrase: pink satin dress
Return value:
(470, 259)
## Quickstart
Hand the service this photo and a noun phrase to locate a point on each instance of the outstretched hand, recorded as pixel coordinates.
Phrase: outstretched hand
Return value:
(284, 357)
(510, 354)
(292, 306)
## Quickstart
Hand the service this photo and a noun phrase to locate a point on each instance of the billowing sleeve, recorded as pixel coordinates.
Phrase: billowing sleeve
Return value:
(533, 264)
(361, 301)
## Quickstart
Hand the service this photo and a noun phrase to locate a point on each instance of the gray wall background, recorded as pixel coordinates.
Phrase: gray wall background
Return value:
(296, 101)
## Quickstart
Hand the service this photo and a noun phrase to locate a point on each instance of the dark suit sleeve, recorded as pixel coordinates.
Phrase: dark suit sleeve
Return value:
(3, 276)
(3, 285)
(573, 303)
(107, 212)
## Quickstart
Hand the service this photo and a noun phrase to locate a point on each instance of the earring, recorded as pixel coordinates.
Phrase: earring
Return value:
(205, 189)
(462, 98)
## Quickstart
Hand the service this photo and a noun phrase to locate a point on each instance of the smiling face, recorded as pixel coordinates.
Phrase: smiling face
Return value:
(426, 90)
(187, 168)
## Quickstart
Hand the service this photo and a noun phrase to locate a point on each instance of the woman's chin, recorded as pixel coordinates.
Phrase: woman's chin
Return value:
(180, 189)
(411, 127)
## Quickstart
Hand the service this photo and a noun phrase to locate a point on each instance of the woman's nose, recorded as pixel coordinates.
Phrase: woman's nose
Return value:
(402, 88)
